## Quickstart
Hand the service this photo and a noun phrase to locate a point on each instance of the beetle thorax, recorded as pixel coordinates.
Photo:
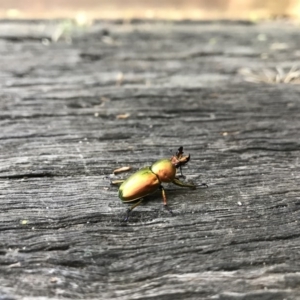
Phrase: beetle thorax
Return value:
(164, 170)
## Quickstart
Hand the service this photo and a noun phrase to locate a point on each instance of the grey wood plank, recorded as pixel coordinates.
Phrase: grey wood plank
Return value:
(61, 137)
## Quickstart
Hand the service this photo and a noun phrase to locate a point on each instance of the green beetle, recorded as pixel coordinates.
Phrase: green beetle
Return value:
(149, 179)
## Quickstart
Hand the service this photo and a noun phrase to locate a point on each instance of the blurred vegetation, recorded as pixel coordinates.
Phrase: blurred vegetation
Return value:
(86, 10)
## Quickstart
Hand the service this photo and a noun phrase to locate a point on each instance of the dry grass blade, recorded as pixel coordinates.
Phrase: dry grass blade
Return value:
(272, 76)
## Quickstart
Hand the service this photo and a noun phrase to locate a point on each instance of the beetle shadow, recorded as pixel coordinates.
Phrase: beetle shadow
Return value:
(143, 212)
(138, 214)
(153, 211)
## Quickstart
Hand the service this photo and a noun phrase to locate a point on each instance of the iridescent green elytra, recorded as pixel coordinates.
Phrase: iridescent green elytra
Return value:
(148, 179)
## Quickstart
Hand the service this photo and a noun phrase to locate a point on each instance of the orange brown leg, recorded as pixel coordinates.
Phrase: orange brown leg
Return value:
(116, 182)
(165, 200)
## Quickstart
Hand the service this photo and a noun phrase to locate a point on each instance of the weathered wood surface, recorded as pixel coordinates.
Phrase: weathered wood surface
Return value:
(179, 84)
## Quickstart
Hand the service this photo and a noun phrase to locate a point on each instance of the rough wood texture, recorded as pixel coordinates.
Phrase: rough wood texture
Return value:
(125, 94)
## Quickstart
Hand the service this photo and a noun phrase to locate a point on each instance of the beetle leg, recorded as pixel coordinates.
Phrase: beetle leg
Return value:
(203, 184)
(165, 200)
(131, 208)
(182, 184)
(181, 174)
(117, 182)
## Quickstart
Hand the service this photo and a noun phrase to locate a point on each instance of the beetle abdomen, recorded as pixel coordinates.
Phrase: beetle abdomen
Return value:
(138, 185)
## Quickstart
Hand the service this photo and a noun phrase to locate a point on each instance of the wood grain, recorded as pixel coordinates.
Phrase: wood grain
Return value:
(173, 84)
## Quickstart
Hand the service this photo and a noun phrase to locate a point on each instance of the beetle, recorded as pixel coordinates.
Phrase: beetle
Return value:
(149, 179)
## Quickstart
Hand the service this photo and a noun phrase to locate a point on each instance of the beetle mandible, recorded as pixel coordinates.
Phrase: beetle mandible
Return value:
(149, 179)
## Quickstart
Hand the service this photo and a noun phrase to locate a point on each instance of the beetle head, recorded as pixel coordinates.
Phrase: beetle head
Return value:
(179, 159)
